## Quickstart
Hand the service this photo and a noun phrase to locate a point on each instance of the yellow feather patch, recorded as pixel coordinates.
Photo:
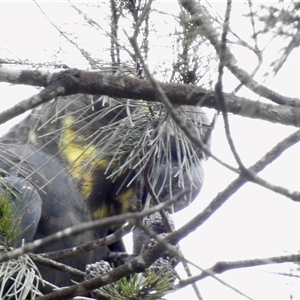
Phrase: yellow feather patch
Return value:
(83, 163)
(100, 213)
(107, 211)
(80, 156)
(124, 198)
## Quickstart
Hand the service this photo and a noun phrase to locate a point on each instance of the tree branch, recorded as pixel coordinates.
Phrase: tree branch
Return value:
(203, 21)
(96, 83)
(108, 240)
(232, 188)
(56, 265)
(147, 258)
(223, 266)
(105, 222)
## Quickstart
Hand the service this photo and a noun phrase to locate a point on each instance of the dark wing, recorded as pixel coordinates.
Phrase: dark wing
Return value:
(25, 206)
(56, 205)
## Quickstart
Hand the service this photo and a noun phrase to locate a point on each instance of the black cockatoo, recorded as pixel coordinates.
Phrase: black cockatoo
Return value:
(85, 157)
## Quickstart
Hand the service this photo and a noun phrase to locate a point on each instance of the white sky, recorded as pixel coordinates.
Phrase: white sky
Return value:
(254, 222)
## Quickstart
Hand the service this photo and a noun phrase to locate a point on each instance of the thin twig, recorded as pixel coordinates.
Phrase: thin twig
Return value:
(105, 222)
(83, 52)
(219, 88)
(108, 240)
(56, 265)
(223, 266)
(178, 254)
(233, 187)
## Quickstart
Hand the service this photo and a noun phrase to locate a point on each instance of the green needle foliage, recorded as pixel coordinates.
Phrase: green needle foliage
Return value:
(10, 217)
(9, 225)
(150, 285)
(19, 278)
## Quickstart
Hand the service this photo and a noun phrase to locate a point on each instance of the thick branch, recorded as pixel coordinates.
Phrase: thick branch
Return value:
(75, 81)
